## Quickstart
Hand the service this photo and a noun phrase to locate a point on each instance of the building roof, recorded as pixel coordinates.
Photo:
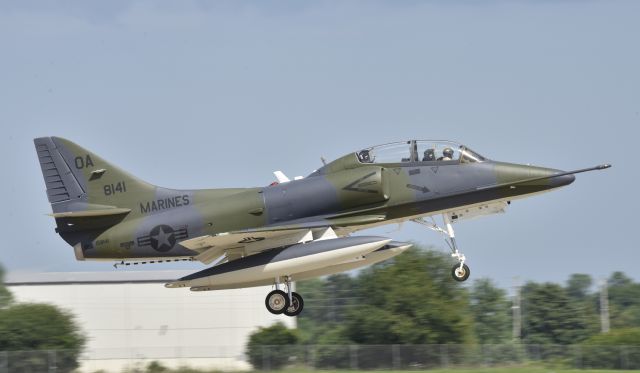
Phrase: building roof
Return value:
(101, 277)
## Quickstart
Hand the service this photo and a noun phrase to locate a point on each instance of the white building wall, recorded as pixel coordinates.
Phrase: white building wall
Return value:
(143, 321)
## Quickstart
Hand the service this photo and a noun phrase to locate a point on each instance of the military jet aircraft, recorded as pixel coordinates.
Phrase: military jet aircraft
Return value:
(290, 229)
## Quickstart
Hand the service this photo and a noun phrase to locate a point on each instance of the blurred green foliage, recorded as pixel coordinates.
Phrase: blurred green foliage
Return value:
(624, 301)
(5, 295)
(331, 297)
(158, 367)
(35, 337)
(616, 337)
(617, 349)
(411, 299)
(578, 286)
(511, 369)
(31, 331)
(550, 317)
(491, 312)
(260, 350)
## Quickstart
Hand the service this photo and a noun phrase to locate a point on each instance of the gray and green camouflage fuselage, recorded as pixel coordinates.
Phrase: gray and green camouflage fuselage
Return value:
(108, 214)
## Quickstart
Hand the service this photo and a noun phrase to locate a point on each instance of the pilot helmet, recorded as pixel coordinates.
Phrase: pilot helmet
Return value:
(448, 152)
(429, 155)
(364, 156)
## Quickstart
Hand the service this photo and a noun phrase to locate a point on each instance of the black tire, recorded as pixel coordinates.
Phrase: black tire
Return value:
(459, 274)
(296, 306)
(277, 302)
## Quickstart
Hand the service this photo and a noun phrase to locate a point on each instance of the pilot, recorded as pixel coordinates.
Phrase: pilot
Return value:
(365, 157)
(429, 155)
(447, 154)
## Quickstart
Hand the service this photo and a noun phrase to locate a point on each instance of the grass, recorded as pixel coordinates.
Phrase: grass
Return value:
(468, 370)
(462, 370)
(514, 369)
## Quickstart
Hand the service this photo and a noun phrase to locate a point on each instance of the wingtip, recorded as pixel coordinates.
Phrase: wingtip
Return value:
(603, 166)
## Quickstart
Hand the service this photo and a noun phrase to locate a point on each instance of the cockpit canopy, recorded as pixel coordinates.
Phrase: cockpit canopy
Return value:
(419, 151)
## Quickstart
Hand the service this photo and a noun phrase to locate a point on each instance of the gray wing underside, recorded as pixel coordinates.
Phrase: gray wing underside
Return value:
(229, 246)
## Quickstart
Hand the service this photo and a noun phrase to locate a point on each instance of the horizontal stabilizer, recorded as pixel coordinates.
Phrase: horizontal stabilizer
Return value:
(91, 219)
(91, 213)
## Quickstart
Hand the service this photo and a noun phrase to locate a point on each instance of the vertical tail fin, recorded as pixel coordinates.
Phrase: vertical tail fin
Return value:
(62, 186)
(79, 180)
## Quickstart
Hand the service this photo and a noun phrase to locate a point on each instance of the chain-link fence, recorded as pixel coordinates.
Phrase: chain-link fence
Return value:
(344, 357)
(417, 357)
(37, 361)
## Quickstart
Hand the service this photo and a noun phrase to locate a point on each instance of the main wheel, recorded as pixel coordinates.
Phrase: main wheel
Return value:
(277, 302)
(460, 274)
(297, 304)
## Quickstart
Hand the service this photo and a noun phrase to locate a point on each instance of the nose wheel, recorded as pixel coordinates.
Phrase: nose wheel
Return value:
(290, 303)
(460, 272)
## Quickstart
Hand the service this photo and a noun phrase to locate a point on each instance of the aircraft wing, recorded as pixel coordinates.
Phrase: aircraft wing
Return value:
(233, 245)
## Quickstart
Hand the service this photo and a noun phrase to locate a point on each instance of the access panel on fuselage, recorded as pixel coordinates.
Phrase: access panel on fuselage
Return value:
(463, 177)
(360, 187)
(428, 180)
(299, 198)
(325, 194)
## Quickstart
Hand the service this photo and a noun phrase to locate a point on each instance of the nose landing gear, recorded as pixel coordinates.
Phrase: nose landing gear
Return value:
(459, 272)
(289, 303)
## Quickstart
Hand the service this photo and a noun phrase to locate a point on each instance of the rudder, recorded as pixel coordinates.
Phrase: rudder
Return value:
(61, 184)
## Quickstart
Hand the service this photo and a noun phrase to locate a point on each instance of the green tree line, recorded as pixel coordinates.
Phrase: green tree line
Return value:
(28, 331)
(411, 299)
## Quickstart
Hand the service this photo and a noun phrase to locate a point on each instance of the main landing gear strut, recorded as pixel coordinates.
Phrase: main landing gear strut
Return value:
(290, 303)
(459, 272)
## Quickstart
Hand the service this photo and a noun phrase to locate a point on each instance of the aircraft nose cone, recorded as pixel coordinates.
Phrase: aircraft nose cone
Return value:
(529, 179)
(562, 180)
